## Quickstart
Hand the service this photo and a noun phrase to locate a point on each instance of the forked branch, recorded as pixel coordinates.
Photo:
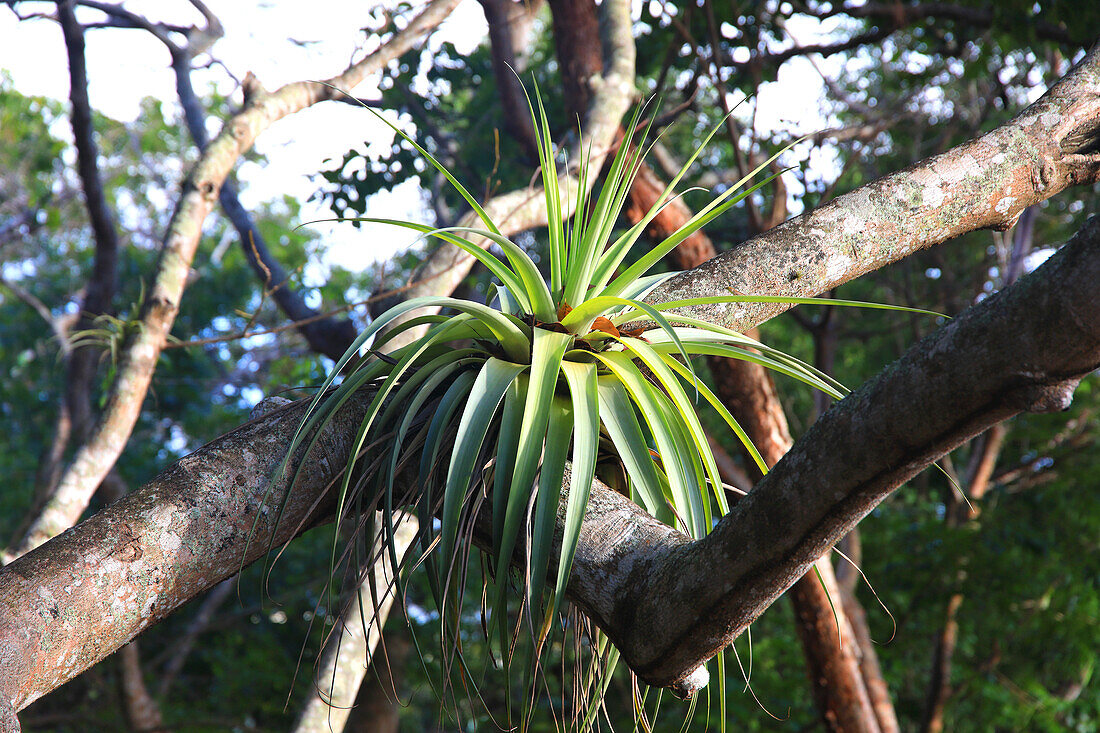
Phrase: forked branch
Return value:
(669, 603)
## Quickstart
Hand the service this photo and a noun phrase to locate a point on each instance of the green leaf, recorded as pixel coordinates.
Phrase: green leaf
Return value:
(546, 357)
(442, 169)
(580, 319)
(618, 251)
(584, 391)
(484, 398)
(713, 210)
(456, 396)
(516, 286)
(535, 290)
(587, 250)
(717, 299)
(551, 187)
(559, 432)
(685, 409)
(721, 409)
(666, 427)
(619, 418)
(511, 422)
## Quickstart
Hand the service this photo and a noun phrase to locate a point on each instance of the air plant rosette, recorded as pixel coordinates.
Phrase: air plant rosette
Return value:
(493, 401)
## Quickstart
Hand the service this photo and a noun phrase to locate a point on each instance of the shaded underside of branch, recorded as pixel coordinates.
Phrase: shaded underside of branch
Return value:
(1025, 349)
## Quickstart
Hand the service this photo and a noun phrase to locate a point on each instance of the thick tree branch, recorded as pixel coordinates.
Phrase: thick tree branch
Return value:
(904, 14)
(843, 698)
(658, 595)
(72, 602)
(667, 602)
(888, 18)
(985, 183)
(1000, 358)
(200, 191)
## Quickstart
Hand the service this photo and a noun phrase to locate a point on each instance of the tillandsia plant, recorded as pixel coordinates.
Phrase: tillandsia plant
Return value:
(489, 406)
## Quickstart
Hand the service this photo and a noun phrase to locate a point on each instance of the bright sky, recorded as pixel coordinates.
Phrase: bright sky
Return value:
(125, 66)
(280, 43)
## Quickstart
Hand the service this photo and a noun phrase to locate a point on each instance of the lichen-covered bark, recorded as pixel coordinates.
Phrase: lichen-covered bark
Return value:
(843, 696)
(1024, 349)
(667, 602)
(73, 601)
(985, 183)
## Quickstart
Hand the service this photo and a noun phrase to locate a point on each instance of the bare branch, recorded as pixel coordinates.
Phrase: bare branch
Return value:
(654, 591)
(888, 18)
(102, 281)
(502, 42)
(35, 304)
(344, 664)
(998, 359)
(667, 602)
(158, 312)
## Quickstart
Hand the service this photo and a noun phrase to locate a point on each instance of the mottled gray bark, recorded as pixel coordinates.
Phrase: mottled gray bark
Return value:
(71, 602)
(983, 184)
(1025, 349)
(668, 603)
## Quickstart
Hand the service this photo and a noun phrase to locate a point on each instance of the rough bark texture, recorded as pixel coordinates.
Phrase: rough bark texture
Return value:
(87, 592)
(831, 655)
(996, 360)
(654, 591)
(828, 639)
(748, 391)
(575, 26)
(985, 183)
(196, 626)
(158, 312)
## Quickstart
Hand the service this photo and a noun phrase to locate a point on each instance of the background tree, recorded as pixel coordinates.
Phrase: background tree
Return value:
(995, 610)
